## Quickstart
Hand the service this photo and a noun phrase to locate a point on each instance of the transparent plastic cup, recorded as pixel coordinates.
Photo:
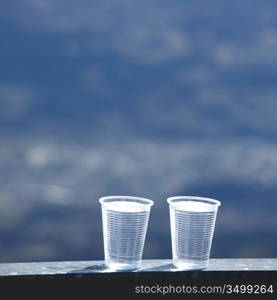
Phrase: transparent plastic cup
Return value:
(125, 221)
(192, 221)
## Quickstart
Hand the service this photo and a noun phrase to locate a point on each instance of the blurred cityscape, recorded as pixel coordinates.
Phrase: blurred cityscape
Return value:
(134, 97)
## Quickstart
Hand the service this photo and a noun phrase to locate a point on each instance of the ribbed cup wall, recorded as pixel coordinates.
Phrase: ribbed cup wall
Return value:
(124, 235)
(192, 234)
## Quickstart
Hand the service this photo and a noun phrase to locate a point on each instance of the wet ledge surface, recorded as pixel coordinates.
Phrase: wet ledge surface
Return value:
(96, 267)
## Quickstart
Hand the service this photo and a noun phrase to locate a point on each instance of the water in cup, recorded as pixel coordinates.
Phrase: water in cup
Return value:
(125, 221)
(192, 222)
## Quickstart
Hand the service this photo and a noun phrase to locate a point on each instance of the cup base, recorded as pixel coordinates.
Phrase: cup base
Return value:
(190, 265)
(123, 266)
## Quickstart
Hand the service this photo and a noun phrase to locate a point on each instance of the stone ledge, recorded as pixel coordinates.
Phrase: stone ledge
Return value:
(155, 265)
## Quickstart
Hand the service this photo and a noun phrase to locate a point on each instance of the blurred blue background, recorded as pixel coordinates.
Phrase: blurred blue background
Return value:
(136, 97)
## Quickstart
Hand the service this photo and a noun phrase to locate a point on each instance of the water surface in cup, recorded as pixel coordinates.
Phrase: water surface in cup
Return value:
(125, 206)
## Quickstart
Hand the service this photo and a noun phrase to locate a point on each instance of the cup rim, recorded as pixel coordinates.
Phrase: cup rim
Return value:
(172, 200)
(141, 200)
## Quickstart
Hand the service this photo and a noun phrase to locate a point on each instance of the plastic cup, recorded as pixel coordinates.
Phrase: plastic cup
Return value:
(192, 222)
(125, 221)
